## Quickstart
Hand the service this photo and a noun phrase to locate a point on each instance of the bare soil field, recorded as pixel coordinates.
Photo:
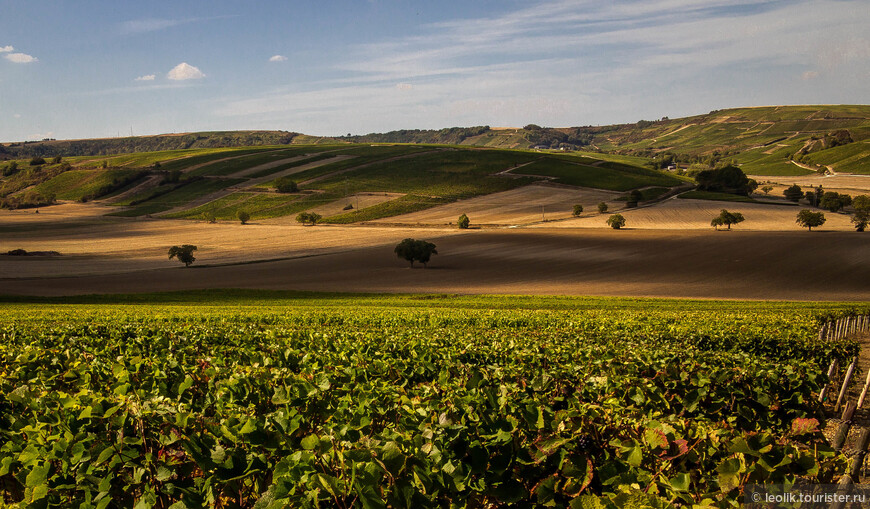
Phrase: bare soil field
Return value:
(691, 264)
(517, 206)
(680, 214)
(92, 244)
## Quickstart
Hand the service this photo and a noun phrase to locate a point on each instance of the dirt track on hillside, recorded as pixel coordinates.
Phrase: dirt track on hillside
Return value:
(692, 264)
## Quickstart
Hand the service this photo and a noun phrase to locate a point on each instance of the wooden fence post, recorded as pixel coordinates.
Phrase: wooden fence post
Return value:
(831, 370)
(845, 385)
(864, 390)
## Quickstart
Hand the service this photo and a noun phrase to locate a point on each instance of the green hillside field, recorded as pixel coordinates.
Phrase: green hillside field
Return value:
(759, 139)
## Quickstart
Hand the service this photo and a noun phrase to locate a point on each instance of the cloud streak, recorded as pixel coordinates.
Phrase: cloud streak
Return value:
(570, 62)
(146, 25)
(20, 58)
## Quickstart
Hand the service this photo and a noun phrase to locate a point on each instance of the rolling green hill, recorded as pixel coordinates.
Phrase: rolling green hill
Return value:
(156, 174)
(763, 141)
(772, 140)
(193, 184)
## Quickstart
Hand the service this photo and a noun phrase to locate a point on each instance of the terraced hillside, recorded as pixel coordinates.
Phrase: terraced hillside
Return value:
(775, 140)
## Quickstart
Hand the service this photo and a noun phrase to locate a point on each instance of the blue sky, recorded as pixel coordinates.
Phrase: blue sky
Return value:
(89, 68)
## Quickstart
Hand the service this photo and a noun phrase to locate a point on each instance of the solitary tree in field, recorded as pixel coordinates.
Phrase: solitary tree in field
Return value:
(616, 221)
(602, 208)
(183, 253)
(809, 219)
(243, 216)
(415, 250)
(766, 189)
(463, 222)
(726, 218)
(578, 209)
(793, 193)
(308, 217)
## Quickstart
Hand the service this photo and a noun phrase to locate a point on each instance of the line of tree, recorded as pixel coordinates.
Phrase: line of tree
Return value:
(446, 136)
(832, 202)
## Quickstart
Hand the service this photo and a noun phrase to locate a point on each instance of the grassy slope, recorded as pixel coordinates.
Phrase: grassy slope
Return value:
(612, 176)
(748, 133)
(178, 197)
(429, 175)
(75, 184)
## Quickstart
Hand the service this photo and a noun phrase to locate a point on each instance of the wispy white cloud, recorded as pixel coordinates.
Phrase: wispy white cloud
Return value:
(20, 58)
(185, 71)
(145, 25)
(6, 49)
(147, 77)
(561, 61)
(140, 26)
(278, 58)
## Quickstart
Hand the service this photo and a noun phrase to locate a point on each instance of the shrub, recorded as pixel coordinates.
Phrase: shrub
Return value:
(602, 208)
(578, 209)
(10, 169)
(308, 217)
(793, 193)
(616, 221)
(243, 216)
(286, 185)
(37, 161)
(463, 222)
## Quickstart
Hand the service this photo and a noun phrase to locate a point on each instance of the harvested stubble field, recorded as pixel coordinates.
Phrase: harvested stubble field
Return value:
(797, 265)
(517, 206)
(680, 214)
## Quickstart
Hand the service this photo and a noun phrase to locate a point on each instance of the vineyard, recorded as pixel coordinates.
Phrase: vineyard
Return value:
(413, 401)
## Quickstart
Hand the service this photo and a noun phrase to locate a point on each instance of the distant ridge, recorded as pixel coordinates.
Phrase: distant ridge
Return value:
(154, 143)
(764, 140)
